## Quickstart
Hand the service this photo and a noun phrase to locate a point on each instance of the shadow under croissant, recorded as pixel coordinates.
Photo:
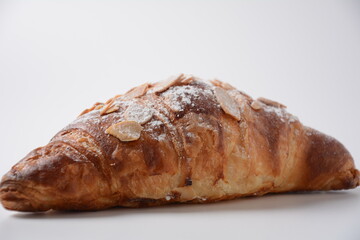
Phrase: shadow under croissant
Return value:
(280, 201)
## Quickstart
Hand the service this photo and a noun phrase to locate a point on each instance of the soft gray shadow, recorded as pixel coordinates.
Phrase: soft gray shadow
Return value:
(265, 203)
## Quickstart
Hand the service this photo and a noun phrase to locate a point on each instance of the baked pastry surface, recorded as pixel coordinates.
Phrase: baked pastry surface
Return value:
(179, 140)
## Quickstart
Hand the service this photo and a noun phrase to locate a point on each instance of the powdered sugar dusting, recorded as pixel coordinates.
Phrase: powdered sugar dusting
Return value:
(124, 102)
(139, 113)
(293, 119)
(155, 123)
(91, 117)
(278, 111)
(283, 115)
(154, 129)
(178, 97)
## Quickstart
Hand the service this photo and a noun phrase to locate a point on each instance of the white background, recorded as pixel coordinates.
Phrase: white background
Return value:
(59, 57)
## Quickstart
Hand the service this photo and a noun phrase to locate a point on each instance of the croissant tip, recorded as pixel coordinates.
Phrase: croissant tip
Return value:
(11, 199)
(13, 196)
(357, 177)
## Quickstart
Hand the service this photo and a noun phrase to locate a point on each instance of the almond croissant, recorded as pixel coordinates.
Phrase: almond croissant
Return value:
(179, 140)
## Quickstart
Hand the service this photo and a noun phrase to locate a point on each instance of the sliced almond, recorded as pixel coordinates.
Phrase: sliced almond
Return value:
(186, 79)
(98, 104)
(85, 111)
(125, 131)
(164, 85)
(105, 108)
(95, 106)
(271, 102)
(109, 102)
(113, 99)
(138, 91)
(138, 113)
(109, 108)
(245, 95)
(215, 82)
(256, 105)
(221, 84)
(99, 107)
(227, 103)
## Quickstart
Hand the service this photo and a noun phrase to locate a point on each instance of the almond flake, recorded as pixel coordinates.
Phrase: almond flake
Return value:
(125, 131)
(109, 108)
(164, 85)
(245, 95)
(221, 84)
(138, 91)
(186, 79)
(95, 106)
(85, 111)
(256, 105)
(138, 113)
(99, 107)
(271, 102)
(227, 103)
(111, 100)
(98, 104)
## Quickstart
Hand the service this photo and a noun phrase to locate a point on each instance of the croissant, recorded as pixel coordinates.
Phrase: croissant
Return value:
(176, 141)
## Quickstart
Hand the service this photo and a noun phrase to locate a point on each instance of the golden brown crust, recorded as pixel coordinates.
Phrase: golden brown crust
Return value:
(191, 149)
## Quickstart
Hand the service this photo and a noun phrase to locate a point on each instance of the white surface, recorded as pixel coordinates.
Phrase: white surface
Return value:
(58, 57)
